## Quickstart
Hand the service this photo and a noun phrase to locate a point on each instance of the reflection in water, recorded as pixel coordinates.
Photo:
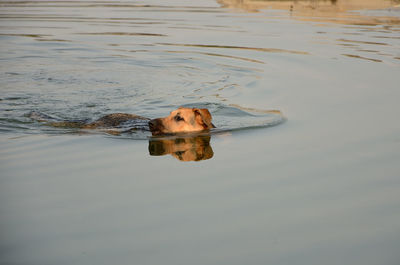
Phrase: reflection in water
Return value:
(332, 11)
(362, 16)
(184, 148)
(320, 5)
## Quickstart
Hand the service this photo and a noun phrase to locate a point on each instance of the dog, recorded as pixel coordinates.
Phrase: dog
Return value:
(182, 120)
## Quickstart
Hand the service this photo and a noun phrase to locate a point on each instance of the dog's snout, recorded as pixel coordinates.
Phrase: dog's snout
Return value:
(155, 126)
(151, 124)
(154, 123)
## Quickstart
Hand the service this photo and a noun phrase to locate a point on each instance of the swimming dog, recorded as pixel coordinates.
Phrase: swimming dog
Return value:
(182, 120)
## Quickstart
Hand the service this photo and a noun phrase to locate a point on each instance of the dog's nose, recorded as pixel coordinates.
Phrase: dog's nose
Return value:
(154, 124)
(151, 124)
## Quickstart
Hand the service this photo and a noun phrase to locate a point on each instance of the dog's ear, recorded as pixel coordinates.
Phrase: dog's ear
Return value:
(203, 117)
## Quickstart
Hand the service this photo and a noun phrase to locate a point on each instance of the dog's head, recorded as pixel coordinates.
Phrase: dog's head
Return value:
(182, 120)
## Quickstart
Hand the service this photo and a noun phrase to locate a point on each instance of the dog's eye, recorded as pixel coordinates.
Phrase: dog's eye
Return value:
(178, 118)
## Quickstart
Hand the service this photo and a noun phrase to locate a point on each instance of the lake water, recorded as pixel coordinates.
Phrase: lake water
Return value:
(316, 181)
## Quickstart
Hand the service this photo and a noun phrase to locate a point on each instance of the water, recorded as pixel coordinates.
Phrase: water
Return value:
(320, 188)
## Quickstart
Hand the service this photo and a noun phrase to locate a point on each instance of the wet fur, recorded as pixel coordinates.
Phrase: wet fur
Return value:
(182, 120)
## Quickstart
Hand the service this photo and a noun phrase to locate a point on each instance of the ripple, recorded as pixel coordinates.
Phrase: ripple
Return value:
(124, 34)
(233, 117)
(271, 50)
(53, 40)
(363, 58)
(362, 42)
(25, 35)
(220, 55)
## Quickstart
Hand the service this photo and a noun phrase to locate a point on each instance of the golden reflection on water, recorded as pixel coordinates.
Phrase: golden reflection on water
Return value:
(184, 148)
(321, 5)
(364, 16)
(332, 11)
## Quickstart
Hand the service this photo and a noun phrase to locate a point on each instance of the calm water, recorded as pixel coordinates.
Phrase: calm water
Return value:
(321, 188)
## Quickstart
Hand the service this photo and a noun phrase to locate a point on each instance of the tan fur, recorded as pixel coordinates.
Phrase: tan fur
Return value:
(182, 120)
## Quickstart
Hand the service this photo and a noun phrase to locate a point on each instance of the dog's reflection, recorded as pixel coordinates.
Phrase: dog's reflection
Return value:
(183, 148)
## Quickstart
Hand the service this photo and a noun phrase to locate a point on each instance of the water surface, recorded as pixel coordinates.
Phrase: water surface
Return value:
(321, 188)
